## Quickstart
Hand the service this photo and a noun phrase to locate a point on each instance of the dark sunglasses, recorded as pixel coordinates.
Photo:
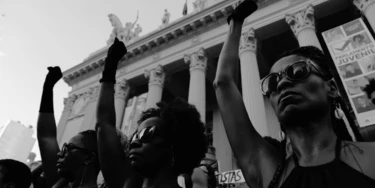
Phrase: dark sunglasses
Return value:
(145, 135)
(69, 147)
(294, 72)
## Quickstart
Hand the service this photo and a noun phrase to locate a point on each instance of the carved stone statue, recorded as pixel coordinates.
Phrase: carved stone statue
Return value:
(136, 32)
(117, 30)
(199, 5)
(124, 34)
(165, 19)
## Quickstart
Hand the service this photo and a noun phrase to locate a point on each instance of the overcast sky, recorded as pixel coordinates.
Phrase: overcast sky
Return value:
(41, 33)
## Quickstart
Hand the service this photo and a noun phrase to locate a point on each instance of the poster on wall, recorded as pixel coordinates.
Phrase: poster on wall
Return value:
(353, 51)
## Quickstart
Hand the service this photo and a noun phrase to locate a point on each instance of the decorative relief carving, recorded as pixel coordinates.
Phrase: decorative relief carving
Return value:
(248, 41)
(156, 76)
(199, 5)
(195, 39)
(362, 5)
(197, 60)
(95, 92)
(303, 19)
(69, 102)
(122, 88)
(156, 55)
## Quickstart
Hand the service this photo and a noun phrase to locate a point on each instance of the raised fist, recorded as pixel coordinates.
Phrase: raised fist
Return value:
(116, 51)
(53, 76)
(243, 10)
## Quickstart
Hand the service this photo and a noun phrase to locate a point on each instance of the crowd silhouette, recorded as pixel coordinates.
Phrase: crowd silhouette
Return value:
(322, 147)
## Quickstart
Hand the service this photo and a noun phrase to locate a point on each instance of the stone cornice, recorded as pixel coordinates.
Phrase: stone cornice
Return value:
(150, 43)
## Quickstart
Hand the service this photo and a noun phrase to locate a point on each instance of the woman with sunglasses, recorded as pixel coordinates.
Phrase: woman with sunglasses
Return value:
(76, 165)
(306, 102)
(168, 142)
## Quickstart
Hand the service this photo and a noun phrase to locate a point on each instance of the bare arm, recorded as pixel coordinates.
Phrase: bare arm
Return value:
(257, 159)
(46, 128)
(113, 163)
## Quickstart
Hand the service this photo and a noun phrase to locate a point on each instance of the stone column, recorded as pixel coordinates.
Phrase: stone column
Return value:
(156, 81)
(68, 105)
(91, 96)
(197, 87)
(122, 91)
(250, 77)
(302, 24)
(367, 8)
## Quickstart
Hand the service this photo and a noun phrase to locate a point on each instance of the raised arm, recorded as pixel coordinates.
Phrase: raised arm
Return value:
(46, 128)
(256, 158)
(114, 166)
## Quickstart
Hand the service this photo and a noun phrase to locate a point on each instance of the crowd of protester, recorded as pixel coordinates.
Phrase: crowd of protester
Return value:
(321, 146)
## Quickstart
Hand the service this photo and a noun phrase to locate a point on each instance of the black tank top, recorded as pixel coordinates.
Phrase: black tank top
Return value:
(335, 174)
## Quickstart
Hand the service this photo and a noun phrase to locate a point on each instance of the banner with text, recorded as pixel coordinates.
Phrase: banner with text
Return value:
(229, 177)
(353, 51)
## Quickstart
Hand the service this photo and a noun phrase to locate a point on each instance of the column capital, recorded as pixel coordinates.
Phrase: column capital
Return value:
(197, 60)
(156, 76)
(248, 41)
(69, 102)
(122, 89)
(303, 19)
(362, 5)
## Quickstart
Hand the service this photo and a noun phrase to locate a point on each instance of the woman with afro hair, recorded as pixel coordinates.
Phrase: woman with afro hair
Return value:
(169, 141)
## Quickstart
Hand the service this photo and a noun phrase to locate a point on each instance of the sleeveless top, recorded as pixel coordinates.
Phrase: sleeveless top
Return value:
(335, 174)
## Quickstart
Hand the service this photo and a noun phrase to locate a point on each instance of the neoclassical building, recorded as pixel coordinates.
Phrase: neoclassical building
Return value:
(180, 59)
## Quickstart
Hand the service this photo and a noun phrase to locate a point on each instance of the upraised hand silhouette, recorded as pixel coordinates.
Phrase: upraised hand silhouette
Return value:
(114, 55)
(116, 51)
(53, 76)
(243, 10)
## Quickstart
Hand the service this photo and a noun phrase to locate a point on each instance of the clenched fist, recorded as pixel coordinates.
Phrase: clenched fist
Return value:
(116, 51)
(53, 76)
(243, 10)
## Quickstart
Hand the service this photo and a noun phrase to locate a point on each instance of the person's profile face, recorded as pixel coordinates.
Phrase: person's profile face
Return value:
(361, 101)
(296, 97)
(71, 160)
(149, 150)
(349, 68)
(355, 82)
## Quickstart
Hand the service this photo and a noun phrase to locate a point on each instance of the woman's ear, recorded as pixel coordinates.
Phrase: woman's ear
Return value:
(332, 88)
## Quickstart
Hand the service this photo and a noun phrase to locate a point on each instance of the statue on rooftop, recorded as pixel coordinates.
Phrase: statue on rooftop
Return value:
(165, 19)
(124, 34)
(199, 5)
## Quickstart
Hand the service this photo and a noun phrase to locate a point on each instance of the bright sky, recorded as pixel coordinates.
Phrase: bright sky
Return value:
(41, 33)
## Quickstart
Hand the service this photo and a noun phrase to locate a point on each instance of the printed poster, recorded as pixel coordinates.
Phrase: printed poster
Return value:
(353, 51)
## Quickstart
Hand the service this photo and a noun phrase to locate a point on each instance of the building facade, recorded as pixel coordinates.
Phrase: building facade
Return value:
(180, 59)
(16, 141)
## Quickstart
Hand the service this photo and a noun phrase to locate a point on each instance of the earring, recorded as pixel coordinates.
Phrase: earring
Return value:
(339, 114)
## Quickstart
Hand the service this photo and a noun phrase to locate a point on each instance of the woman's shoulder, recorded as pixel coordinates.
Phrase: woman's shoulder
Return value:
(360, 155)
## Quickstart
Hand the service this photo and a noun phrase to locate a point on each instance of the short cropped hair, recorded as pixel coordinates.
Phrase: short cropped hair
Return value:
(16, 172)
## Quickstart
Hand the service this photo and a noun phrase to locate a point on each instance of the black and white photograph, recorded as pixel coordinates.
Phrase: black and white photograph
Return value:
(187, 94)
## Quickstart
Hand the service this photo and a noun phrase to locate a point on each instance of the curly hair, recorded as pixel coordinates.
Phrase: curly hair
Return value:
(16, 172)
(185, 131)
